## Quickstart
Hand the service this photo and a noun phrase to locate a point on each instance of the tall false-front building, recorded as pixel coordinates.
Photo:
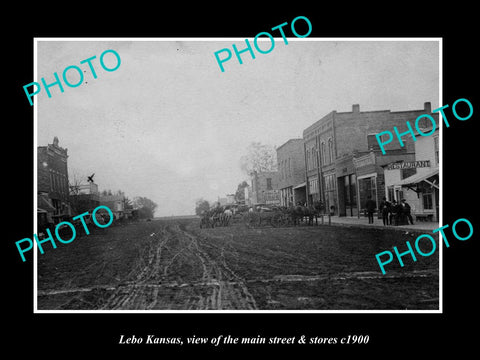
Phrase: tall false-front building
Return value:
(291, 172)
(52, 183)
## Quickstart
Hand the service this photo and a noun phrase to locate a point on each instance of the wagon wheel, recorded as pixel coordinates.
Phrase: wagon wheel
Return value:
(288, 220)
(278, 220)
(247, 219)
(251, 220)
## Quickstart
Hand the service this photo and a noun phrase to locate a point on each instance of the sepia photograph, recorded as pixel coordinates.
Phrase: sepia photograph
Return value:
(209, 175)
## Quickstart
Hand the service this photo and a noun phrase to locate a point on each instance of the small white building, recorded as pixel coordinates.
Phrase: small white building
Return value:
(116, 203)
(417, 181)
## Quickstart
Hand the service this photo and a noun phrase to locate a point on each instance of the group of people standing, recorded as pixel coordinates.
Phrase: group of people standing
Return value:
(393, 213)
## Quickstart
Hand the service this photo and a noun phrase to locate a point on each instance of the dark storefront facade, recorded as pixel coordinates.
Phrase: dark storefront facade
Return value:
(347, 187)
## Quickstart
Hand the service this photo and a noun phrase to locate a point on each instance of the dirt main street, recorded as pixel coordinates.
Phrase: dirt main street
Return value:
(174, 265)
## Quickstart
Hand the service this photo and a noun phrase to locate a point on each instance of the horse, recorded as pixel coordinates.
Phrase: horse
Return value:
(216, 216)
(226, 217)
(314, 211)
(209, 218)
(295, 213)
(205, 220)
(300, 212)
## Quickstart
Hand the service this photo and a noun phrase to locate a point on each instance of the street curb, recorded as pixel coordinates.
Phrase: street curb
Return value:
(380, 227)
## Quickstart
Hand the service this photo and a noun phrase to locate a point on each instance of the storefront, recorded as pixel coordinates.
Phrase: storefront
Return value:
(286, 196)
(299, 194)
(348, 195)
(418, 183)
(330, 193)
(347, 187)
(369, 169)
(367, 189)
(313, 190)
(369, 176)
(426, 187)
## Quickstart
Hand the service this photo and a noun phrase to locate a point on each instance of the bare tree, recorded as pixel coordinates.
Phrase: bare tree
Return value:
(74, 183)
(259, 157)
(75, 180)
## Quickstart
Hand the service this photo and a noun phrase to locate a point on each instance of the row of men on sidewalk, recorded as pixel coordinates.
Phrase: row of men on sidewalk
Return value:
(393, 213)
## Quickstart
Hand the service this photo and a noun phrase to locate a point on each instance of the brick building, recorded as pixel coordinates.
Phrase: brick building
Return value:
(341, 150)
(53, 201)
(291, 172)
(264, 188)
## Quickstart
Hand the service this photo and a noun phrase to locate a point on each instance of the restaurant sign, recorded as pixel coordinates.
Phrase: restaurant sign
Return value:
(409, 165)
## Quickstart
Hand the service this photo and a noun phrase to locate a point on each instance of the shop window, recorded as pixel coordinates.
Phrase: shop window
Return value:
(427, 199)
(391, 193)
(399, 195)
(367, 187)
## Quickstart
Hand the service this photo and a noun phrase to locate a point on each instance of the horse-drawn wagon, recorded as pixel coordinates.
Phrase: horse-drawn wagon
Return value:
(266, 215)
(217, 216)
(262, 215)
(278, 216)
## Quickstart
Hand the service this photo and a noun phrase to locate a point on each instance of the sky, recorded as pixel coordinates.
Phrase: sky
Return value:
(170, 126)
